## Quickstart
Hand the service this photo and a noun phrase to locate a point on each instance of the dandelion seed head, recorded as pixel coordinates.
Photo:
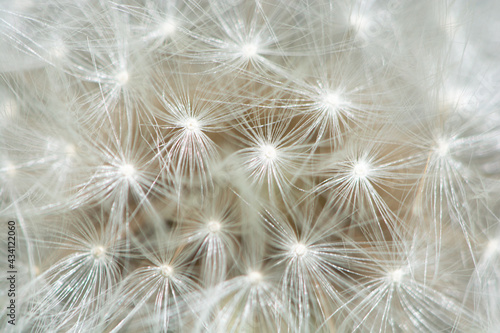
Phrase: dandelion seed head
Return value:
(442, 147)
(98, 252)
(249, 50)
(214, 227)
(122, 78)
(299, 250)
(268, 152)
(361, 169)
(332, 101)
(396, 276)
(10, 169)
(255, 277)
(255, 111)
(191, 125)
(166, 270)
(127, 171)
(492, 247)
(168, 27)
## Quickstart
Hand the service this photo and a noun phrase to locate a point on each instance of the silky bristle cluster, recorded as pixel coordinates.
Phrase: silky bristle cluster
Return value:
(250, 166)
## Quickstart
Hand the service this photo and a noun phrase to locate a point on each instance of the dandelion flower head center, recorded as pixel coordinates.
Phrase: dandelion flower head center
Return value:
(299, 250)
(361, 169)
(214, 227)
(168, 27)
(191, 125)
(443, 147)
(332, 101)
(127, 171)
(249, 50)
(255, 277)
(166, 270)
(10, 169)
(98, 252)
(493, 247)
(269, 152)
(396, 276)
(122, 78)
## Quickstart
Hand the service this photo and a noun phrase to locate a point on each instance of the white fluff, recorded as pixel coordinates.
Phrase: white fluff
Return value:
(251, 166)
